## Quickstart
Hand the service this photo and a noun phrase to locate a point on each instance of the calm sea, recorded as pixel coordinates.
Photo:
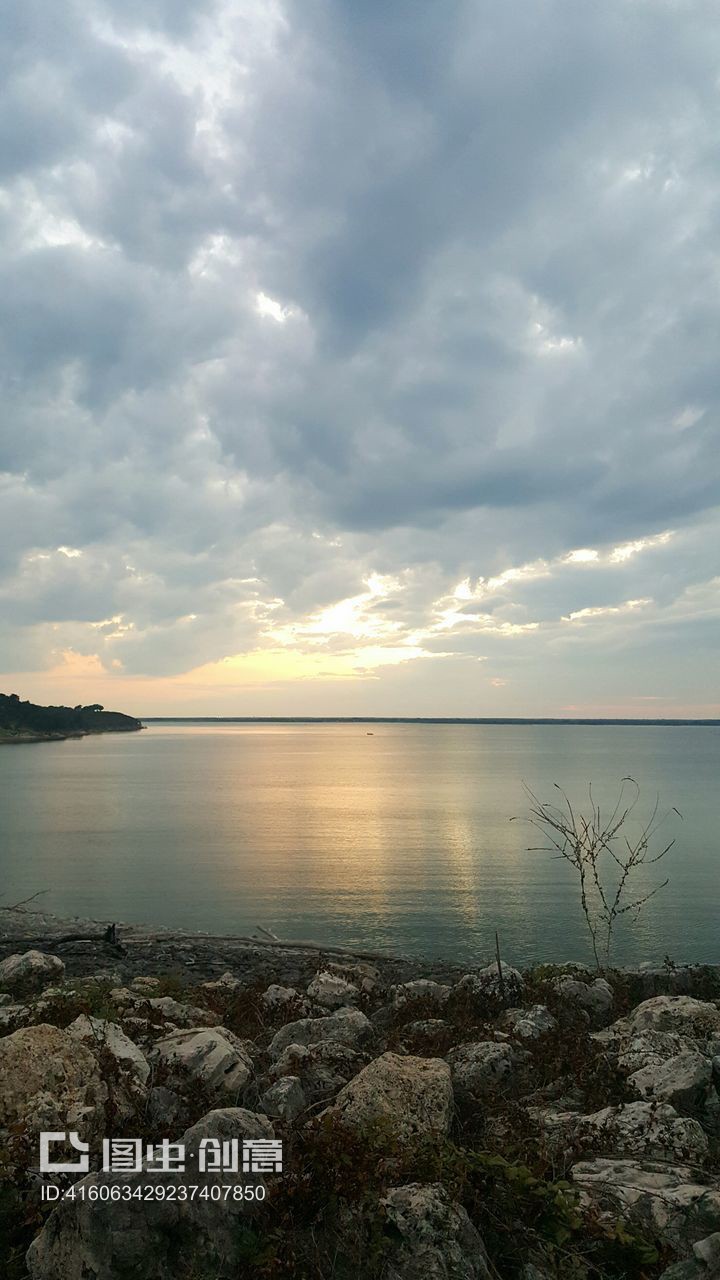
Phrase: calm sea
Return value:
(384, 836)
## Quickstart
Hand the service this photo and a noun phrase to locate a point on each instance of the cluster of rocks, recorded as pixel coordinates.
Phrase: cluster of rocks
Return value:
(358, 1050)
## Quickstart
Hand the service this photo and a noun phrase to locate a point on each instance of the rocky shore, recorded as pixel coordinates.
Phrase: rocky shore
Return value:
(435, 1122)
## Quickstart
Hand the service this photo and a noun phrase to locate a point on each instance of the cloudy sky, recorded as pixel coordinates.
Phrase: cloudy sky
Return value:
(359, 357)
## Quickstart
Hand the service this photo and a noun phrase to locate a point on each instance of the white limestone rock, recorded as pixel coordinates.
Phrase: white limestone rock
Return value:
(435, 994)
(425, 1029)
(530, 1024)
(323, 1068)
(99, 1034)
(685, 1081)
(486, 982)
(437, 1240)
(345, 1026)
(684, 1015)
(291, 1061)
(703, 1263)
(360, 973)
(647, 1049)
(122, 997)
(213, 1057)
(277, 997)
(30, 971)
(51, 1082)
(182, 1015)
(651, 1130)
(226, 985)
(332, 991)
(676, 1204)
(409, 1095)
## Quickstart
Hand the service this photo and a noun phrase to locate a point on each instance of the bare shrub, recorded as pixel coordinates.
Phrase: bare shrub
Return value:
(604, 854)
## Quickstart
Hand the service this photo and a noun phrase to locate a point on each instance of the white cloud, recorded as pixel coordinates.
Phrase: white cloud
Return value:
(267, 306)
(606, 611)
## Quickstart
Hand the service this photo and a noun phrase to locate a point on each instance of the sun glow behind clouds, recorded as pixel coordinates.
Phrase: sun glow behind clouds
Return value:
(350, 617)
(386, 625)
(375, 628)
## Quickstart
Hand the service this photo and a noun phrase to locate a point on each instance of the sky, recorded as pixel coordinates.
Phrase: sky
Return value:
(361, 359)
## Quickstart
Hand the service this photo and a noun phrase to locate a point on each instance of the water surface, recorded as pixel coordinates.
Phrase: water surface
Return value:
(386, 836)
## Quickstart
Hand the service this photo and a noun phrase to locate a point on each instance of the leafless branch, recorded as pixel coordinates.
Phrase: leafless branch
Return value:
(605, 854)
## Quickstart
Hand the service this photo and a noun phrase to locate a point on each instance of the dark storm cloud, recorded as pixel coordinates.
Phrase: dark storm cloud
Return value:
(292, 295)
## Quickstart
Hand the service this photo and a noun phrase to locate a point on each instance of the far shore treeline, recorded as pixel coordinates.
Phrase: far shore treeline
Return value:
(28, 722)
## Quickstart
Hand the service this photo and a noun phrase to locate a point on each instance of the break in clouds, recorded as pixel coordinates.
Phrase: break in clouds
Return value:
(361, 358)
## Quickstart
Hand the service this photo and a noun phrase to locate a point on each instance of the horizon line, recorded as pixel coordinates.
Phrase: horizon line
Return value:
(522, 720)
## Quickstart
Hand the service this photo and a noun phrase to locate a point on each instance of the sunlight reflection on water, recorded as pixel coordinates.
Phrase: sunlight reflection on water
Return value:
(396, 840)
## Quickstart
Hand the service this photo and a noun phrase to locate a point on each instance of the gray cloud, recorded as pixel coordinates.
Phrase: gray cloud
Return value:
(294, 295)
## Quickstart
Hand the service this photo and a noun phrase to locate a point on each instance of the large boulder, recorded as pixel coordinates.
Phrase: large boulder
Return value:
(344, 1026)
(645, 1049)
(213, 1057)
(29, 972)
(632, 1129)
(435, 1238)
(105, 1239)
(676, 1204)
(685, 1081)
(484, 1066)
(50, 1082)
(697, 1019)
(408, 1095)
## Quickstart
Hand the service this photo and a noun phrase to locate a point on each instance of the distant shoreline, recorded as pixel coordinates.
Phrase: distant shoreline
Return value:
(24, 722)
(20, 739)
(496, 720)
